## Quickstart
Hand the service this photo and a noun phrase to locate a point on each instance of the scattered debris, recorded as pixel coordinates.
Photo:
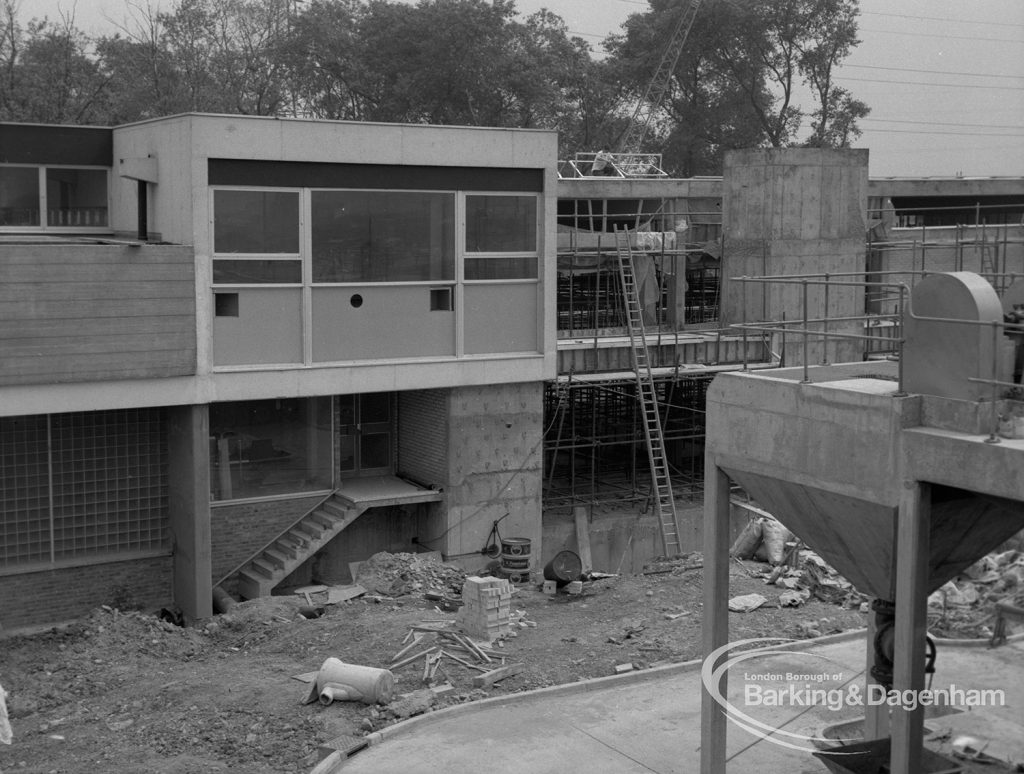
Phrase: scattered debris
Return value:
(794, 598)
(337, 594)
(392, 575)
(621, 669)
(487, 679)
(746, 602)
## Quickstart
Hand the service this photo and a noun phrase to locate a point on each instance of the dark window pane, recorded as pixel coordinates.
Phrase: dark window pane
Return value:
(501, 268)
(19, 196)
(249, 272)
(374, 236)
(76, 197)
(270, 447)
(501, 224)
(255, 222)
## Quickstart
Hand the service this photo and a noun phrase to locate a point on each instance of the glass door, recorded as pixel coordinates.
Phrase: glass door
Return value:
(365, 441)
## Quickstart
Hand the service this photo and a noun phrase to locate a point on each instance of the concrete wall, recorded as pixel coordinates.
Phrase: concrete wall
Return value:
(53, 596)
(495, 467)
(788, 212)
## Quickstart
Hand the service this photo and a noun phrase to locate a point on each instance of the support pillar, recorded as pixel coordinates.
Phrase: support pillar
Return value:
(912, 553)
(876, 716)
(716, 610)
(189, 509)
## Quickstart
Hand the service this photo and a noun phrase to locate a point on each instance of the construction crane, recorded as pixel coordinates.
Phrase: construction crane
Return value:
(654, 95)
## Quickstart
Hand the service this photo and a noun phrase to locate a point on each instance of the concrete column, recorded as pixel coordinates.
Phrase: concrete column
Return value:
(876, 716)
(912, 552)
(716, 610)
(189, 508)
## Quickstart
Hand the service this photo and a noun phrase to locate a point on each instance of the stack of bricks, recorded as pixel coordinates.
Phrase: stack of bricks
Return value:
(486, 608)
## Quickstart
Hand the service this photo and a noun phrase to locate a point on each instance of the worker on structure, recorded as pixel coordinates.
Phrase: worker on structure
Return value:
(603, 163)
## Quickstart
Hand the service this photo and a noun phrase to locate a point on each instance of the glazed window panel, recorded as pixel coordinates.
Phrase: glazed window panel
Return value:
(76, 197)
(501, 224)
(513, 267)
(252, 272)
(256, 222)
(383, 236)
(270, 447)
(19, 196)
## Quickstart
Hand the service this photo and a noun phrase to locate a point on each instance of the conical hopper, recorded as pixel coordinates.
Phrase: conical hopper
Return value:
(857, 537)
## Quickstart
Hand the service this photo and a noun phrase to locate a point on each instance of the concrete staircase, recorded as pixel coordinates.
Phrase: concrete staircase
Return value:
(258, 576)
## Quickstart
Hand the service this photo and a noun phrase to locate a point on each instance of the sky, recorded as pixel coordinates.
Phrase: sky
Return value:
(944, 78)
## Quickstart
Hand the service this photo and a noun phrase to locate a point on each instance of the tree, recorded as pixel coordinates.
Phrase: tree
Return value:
(739, 76)
(49, 74)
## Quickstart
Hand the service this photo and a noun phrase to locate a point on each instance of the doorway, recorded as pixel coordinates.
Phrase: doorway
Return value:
(365, 435)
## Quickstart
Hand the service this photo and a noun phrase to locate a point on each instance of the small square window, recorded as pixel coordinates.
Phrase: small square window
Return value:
(225, 304)
(440, 299)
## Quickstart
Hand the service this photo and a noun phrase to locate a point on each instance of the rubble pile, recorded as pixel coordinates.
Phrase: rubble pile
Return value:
(964, 606)
(393, 575)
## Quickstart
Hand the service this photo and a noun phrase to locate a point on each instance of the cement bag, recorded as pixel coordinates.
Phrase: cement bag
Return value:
(748, 541)
(773, 546)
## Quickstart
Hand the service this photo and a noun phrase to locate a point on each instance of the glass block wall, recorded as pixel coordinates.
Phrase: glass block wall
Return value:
(81, 485)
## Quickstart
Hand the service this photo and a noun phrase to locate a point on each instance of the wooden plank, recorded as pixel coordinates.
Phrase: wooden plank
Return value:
(487, 679)
(410, 659)
(54, 327)
(463, 661)
(583, 537)
(127, 271)
(92, 308)
(86, 343)
(415, 642)
(112, 291)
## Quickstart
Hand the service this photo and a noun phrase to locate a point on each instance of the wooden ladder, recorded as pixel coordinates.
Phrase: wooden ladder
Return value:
(648, 397)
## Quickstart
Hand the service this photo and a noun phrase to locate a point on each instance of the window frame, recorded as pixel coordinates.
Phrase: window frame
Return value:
(455, 246)
(297, 256)
(468, 255)
(44, 227)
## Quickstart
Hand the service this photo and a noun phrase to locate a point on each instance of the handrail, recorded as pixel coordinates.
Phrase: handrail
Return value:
(802, 327)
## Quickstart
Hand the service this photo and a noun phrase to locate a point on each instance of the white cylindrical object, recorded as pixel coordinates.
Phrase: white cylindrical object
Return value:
(369, 685)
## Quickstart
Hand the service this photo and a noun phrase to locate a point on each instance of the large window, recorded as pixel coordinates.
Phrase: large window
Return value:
(499, 230)
(383, 236)
(270, 447)
(247, 224)
(53, 197)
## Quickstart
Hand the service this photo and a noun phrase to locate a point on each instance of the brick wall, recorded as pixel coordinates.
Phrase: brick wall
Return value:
(238, 531)
(53, 596)
(423, 435)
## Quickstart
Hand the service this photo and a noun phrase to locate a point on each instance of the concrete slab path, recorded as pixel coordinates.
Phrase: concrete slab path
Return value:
(649, 721)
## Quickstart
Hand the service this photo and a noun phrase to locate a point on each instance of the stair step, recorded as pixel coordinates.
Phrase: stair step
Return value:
(335, 510)
(277, 558)
(322, 519)
(286, 548)
(311, 529)
(262, 567)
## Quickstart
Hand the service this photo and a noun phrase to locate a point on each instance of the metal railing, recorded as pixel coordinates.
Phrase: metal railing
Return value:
(808, 327)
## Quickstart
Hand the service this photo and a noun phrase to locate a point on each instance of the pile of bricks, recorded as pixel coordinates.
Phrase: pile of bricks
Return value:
(486, 609)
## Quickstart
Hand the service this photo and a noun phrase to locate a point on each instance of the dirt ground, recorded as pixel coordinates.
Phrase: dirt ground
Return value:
(122, 692)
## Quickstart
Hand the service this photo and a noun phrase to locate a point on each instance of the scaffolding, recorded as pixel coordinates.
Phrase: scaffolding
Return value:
(593, 450)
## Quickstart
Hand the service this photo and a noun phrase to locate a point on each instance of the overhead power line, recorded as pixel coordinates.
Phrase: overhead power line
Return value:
(940, 18)
(940, 123)
(942, 35)
(927, 83)
(932, 72)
